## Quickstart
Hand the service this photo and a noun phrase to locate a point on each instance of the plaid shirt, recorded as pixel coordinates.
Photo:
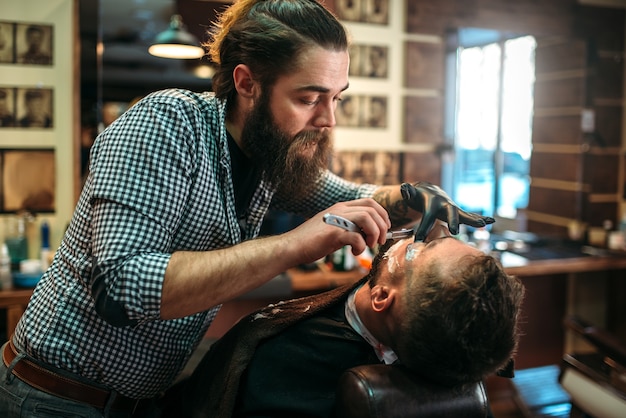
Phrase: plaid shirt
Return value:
(160, 181)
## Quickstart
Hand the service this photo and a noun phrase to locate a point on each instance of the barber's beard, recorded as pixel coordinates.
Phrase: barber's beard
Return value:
(293, 164)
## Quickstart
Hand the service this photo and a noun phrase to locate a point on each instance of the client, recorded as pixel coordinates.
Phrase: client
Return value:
(441, 308)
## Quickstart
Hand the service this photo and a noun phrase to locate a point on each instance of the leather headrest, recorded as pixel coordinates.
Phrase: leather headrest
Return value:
(392, 391)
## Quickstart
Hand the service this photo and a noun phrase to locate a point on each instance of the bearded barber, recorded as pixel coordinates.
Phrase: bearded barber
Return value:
(164, 231)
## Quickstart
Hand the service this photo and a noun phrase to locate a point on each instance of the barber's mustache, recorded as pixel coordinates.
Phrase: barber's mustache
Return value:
(311, 137)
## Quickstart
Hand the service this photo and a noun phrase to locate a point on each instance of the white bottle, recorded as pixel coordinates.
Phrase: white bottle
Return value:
(45, 245)
(6, 277)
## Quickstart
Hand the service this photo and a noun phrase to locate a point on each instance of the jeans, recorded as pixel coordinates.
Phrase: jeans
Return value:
(18, 399)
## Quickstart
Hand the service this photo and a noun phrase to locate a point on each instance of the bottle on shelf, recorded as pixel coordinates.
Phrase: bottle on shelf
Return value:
(16, 241)
(6, 277)
(45, 245)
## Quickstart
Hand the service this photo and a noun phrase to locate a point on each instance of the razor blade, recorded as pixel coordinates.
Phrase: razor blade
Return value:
(348, 225)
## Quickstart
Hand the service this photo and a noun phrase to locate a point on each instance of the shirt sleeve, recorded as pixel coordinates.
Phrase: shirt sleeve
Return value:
(142, 167)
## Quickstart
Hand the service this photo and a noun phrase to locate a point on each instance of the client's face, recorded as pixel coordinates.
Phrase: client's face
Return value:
(439, 252)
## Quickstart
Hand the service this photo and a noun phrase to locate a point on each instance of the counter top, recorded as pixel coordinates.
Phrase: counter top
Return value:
(514, 264)
(564, 265)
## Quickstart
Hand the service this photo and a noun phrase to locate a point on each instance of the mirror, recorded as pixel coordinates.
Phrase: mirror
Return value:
(116, 68)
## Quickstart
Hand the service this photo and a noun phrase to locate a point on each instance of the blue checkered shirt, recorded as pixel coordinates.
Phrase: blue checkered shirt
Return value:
(160, 181)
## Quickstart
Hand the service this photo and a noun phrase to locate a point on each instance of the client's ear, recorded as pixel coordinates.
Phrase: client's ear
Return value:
(382, 297)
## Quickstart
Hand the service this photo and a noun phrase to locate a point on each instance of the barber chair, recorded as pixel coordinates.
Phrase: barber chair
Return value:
(595, 381)
(389, 391)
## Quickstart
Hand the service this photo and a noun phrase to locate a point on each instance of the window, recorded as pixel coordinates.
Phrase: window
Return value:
(489, 103)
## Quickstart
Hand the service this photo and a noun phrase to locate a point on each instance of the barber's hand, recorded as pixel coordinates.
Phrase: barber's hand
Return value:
(435, 204)
(315, 238)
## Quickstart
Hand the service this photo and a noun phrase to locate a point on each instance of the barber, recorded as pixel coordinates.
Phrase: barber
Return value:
(165, 228)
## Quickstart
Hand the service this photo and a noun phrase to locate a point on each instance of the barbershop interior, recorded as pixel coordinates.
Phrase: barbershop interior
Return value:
(514, 108)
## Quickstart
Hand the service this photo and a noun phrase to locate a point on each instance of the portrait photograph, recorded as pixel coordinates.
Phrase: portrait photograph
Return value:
(375, 112)
(354, 51)
(374, 61)
(369, 61)
(348, 111)
(28, 178)
(376, 167)
(7, 50)
(34, 108)
(376, 11)
(33, 44)
(348, 10)
(7, 107)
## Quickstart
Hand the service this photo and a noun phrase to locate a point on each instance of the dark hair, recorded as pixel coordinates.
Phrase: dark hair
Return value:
(34, 29)
(269, 36)
(460, 329)
(32, 95)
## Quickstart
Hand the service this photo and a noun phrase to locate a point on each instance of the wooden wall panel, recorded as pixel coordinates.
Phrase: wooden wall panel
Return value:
(435, 17)
(553, 55)
(606, 79)
(624, 177)
(424, 120)
(601, 171)
(561, 167)
(562, 92)
(418, 166)
(596, 213)
(560, 129)
(609, 125)
(562, 203)
(424, 65)
(527, 16)
(547, 229)
(602, 25)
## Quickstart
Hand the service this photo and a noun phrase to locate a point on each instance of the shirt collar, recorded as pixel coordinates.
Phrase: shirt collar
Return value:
(384, 353)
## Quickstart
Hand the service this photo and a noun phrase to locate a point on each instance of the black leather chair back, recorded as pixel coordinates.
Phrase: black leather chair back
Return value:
(387, 391)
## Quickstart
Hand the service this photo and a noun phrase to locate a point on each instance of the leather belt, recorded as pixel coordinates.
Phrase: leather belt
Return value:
(64, 387)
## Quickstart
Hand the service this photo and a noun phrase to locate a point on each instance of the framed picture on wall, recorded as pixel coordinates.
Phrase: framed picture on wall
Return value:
(354, 50)
(348, 111)
(7, 107)
(348, 10)
(362, 111)
(33, 44)
(28, 180)
(376, 11)
(39, 165)
(370, 61)
(375, 61)
(34, 107)
(376, 167)
(375, 112)
(7, 45)
(366, 11)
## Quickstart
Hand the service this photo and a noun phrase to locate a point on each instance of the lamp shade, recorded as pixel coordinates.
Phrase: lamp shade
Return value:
(176, 42)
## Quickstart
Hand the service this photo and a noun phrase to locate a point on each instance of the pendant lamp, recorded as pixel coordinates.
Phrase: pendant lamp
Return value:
(176, 42)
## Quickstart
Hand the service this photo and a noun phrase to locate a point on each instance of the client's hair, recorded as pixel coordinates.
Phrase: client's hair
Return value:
(460, 329)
